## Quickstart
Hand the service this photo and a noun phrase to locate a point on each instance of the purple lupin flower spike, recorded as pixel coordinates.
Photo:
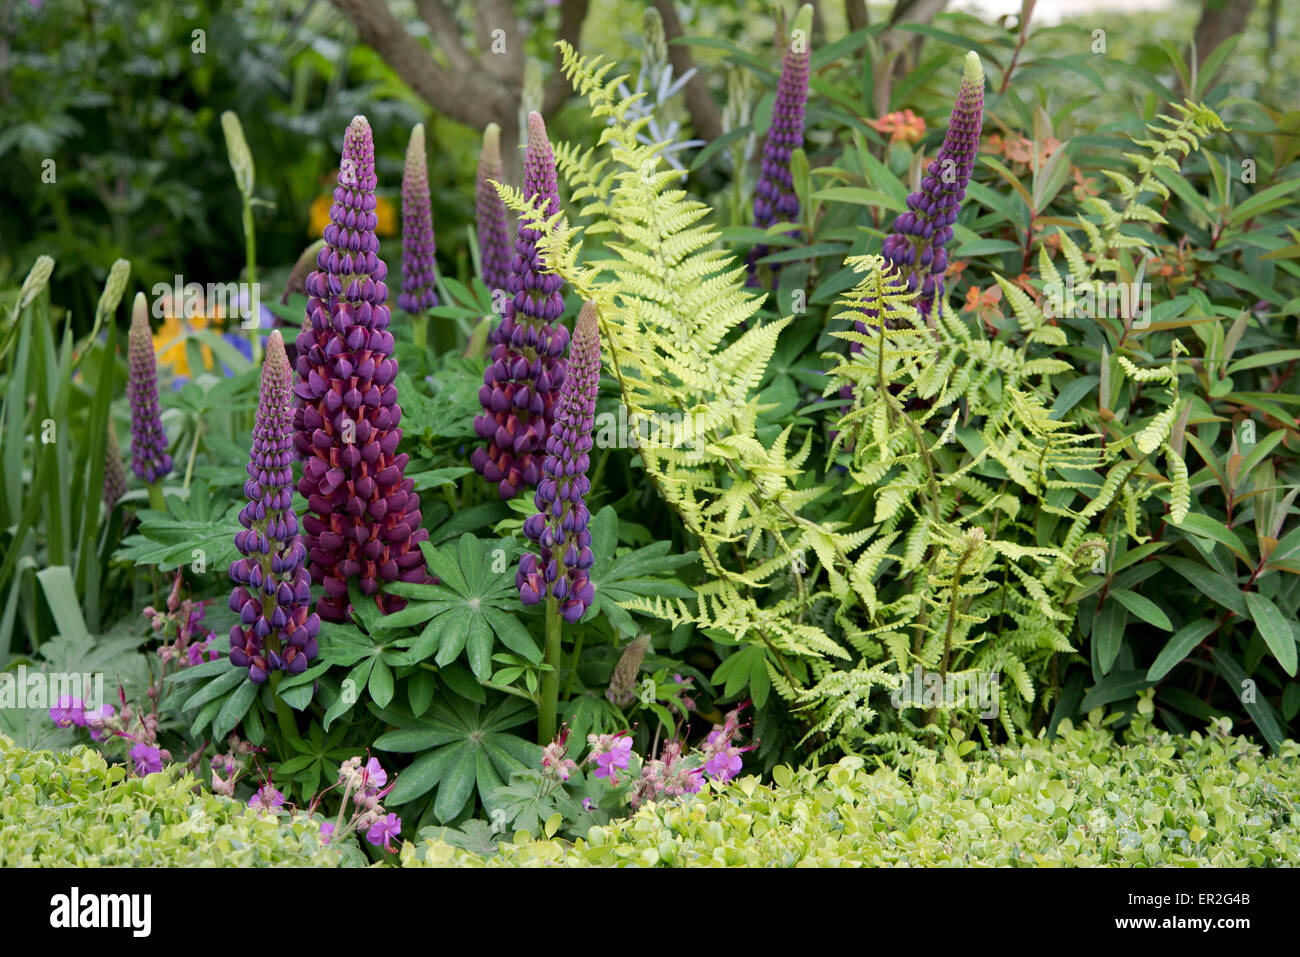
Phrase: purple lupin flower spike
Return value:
(149, 458)
(916, 246)
(272, 594)
(364, 519)
(418, 246)
(526, 367)
(775, 200)
(493, 239)
(559, 527)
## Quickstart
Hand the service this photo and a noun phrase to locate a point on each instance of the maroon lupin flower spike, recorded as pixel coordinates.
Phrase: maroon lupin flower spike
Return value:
(775, 200)
(364, 518)
(916, 247)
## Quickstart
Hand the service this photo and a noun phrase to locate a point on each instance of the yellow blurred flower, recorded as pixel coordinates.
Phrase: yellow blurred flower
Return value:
(169, 340)
(320, 215)
(387, 215)
(385, 212)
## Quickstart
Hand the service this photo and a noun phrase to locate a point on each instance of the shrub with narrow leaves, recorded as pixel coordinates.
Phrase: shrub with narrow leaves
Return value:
(272, 594)
(559, 527)
(526, 367)
(418, 245)
(149, 458)
(364, 519)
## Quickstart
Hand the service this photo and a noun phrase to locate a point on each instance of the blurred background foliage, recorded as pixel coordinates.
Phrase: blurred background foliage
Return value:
(126, 99)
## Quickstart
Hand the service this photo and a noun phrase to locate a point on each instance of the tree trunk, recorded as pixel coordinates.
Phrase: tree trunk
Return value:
(705, 115)
(1220, 19)
(472, 89)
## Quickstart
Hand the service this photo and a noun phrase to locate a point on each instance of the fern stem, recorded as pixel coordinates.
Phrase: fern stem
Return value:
(953, 599)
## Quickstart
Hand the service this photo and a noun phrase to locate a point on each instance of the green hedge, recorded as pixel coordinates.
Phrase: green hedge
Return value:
(73, 808)
(1082, 799)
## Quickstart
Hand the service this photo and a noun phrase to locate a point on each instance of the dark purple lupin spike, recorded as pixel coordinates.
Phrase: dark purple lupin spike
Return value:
(775, 200)
(272, 594)
(418, 277)
(559, 527)
(915, 247)
(493, 238)
(149, 458)
(526, 364)
(364, 519)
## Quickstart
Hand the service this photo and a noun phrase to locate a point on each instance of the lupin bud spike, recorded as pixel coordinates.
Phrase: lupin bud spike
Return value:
(149, 458)
(493, 238)
(418, 247)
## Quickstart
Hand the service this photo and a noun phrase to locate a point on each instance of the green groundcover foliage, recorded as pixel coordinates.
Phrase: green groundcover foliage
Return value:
(1083, 799)
(60, 809)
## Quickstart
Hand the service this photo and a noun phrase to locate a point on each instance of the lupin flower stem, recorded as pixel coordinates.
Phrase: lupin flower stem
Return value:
(241, 162)
(149, 458)
(549, 705)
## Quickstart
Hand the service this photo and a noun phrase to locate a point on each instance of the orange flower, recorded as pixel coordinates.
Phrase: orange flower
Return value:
(1083, 185)
(1046, 149)
(387, 215)
(320, 215)
(955, 269)
(1017, 150)
(902, 126)
(1022, 281)
(984, 304)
